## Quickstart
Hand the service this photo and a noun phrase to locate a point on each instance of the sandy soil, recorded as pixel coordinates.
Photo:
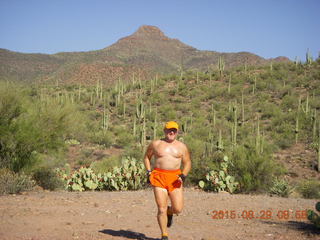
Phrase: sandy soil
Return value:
(132, 215)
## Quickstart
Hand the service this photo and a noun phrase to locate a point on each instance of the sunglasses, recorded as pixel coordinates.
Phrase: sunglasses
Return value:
(172, 130)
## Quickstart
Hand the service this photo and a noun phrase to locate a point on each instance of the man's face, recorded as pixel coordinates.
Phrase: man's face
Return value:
(170, 133)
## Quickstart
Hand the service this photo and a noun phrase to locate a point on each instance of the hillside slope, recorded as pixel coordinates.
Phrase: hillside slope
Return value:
(144, 52)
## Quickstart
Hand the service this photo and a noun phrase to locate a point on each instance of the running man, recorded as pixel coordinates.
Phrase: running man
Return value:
(166, 177)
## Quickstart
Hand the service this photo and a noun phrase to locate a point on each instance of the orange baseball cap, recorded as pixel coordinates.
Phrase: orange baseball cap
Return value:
(171, 124)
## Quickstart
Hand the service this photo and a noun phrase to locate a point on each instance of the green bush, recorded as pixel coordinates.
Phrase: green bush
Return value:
(105, 138)
(309, 189)
(280, 187)
(254, 171)
(28, 127)
(47, 178)
(129, 176)
(11, 182)
(124, 138)
(313, 216)
(220, 180)
(106, 164)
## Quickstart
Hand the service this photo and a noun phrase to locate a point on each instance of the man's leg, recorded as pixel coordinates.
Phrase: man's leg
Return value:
(161, 197)
(176, 197)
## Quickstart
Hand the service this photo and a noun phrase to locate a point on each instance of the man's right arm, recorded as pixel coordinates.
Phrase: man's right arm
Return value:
(147, 157)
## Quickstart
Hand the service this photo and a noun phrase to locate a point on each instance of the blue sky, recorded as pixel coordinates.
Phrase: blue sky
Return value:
(268, 28)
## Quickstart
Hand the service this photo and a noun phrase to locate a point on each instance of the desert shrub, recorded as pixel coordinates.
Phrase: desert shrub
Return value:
(289, 102)
(10, 110)
(269, 110)
(195, 145)
(134, 151)
(11, 182)
(309, 189)
(27, 127)
(283, 130)
(280, 187)
(47, 178)
(124, 137)
(106, 164)
(105, 138)
(168, 111)
(254, 171)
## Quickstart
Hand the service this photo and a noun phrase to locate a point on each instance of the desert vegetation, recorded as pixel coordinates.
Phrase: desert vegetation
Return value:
(243, 114)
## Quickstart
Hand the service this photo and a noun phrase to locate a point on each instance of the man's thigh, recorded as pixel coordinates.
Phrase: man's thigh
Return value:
(161, 196)
(176, 197)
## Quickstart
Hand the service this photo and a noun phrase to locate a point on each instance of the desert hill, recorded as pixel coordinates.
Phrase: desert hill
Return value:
(145, 52)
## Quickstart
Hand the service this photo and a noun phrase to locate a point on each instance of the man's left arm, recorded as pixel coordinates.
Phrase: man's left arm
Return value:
(186, 162)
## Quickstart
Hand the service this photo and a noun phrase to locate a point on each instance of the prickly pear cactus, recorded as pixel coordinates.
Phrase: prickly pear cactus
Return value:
(219, 180)
(313, 216)
(129, 176)
(83, 179)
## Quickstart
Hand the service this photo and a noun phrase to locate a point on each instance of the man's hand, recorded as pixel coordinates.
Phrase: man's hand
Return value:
(148, 176)
(182, 177)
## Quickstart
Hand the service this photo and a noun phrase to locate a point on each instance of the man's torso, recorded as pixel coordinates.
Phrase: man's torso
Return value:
(168, 155)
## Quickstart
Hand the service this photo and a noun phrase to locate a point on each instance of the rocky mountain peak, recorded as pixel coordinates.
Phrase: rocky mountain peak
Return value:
(147, 31)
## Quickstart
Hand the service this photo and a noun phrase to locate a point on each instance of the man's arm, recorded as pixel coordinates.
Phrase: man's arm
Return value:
(147, 157)
(186, 162)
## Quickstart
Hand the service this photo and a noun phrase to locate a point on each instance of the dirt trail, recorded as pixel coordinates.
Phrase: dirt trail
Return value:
(131, 215)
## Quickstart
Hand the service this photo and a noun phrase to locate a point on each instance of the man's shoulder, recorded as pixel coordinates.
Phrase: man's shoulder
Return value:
(155, 142)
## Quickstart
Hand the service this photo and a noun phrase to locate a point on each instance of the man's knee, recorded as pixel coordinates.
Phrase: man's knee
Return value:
(177, 210)
(162, 210)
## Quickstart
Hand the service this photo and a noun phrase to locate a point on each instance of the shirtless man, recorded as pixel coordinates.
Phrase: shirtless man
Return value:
(166, 177)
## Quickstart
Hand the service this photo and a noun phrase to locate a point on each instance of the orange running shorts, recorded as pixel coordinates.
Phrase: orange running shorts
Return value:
(167, 179)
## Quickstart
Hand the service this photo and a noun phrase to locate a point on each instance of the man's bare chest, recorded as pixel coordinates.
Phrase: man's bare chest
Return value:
(168, 150)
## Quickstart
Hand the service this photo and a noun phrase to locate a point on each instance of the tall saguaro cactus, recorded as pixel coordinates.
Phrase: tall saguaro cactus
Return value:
(220, 142)
(155, 126)
(221, 65)
(254, 87)
(319, 149)
(140, 109)
(242, 109)
(296, 130)
(105, 119)
(143, 135)
(235, 123)
(258, 138)
(229, 85)
(314, 125)
(135, 126)
(308, 58)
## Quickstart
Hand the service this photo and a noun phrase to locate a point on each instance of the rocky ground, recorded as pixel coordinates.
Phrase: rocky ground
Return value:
(131, 215)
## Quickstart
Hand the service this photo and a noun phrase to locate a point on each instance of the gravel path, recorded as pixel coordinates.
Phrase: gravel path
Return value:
(132, 215)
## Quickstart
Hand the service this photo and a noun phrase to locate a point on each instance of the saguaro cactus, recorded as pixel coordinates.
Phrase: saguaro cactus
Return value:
(242, 108)
(134, 126)
(105, 119)
(319, 149)
(254, 87)
(155, 126)
(296, 130)
(229, 85)
(140, 109)
(221, 65)
(258, 138)
(308, 58)
(220, 142)
(314, 125)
